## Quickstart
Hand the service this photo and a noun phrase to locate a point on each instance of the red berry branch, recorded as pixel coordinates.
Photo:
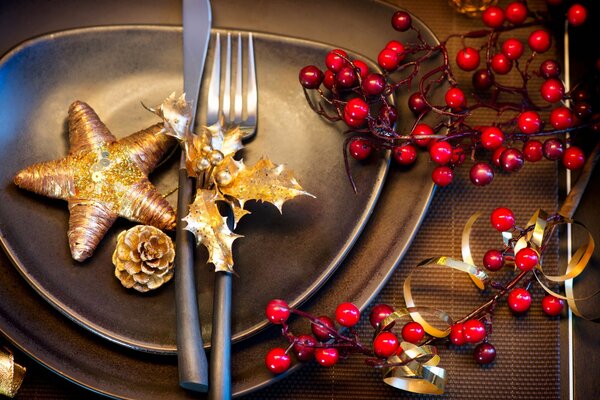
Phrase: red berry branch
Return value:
(347, 91)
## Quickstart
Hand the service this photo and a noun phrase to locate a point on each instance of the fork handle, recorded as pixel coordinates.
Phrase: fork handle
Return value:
(191, 358)
(220, 354)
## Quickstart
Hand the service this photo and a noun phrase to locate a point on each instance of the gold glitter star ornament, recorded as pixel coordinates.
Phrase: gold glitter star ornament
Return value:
(102, 178)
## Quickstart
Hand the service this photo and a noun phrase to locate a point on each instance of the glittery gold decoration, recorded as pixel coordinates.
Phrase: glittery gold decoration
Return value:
(11, 374)
(143, 258)
(209, 157)
(210, 228)
(266, 182)
(102, 179)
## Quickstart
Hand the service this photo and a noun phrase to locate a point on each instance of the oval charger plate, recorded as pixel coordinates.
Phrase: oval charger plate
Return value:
(113, 69)
(75, 353)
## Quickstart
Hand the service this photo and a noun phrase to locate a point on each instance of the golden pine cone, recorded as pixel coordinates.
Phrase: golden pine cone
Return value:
(143, 258)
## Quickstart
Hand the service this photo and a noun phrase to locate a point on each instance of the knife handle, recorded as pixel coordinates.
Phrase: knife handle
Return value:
(220, 354)
(191, 358)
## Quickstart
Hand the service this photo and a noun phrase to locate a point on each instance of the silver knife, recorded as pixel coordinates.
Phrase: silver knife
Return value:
(191, 358)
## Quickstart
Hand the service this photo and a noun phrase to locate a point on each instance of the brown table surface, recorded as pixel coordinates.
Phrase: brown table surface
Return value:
(532, 359)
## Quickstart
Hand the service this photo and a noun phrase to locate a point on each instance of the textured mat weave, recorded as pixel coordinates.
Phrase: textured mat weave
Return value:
(527, 365)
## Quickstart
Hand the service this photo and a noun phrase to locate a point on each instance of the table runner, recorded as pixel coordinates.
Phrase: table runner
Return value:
(527, 365)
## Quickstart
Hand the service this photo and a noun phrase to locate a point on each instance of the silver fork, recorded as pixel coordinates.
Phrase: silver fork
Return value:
(231, 112)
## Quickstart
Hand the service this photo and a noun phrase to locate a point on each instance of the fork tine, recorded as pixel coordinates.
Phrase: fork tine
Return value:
(212, 107)
(252, 93)
(227, 84)
(237, 107)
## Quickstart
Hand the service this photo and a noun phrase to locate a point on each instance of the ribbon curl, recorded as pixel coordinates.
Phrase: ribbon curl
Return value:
(11, 374)
(415, 369)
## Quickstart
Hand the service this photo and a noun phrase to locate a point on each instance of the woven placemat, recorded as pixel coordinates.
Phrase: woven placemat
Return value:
(527, 365)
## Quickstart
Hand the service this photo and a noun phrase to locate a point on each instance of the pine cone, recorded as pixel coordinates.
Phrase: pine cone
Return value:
(143, 258)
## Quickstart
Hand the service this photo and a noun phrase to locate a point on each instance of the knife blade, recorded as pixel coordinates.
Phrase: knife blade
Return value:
(191, 358)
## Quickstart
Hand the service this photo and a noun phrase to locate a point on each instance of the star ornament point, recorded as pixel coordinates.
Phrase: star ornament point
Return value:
(102, 178)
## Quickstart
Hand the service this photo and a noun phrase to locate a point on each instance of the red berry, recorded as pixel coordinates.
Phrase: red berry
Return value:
(311, 77)
(455, 98)
(327, 357)
(398, 48)
(553, 149)
(552, 306)
(549, 69)
(481, 174)
(552, 90)
(321, 332)
(502, 219)
(467, 59)
(277, 360)
(347, 314)
(519, 300)
(401, 21)
(440, 152)
(539, 41)
(334, 60)
(493, 260)
(493, 17)
(573, 158)
(533, 150)
(329, 80)
(346, 77)
(385, 344)
(417, 104)
(582, 110)
(373, 84)
(512, 48)
(442, 175)
(360, 149)
(529, 122)
(388, 59)
(516, 13)
(362, 67)
(561, 118)
(526, 259)
(422, 129)
(357, 108)
(473, 331)
(484, 353)
(456, 335)
(501, 64)
(577, 15)
(413, 332)
(482, 79)
(511, 160)
(277, 311)
(354, 122)
(304, 347)
(379, 313)
(405, 154)
(491, 138)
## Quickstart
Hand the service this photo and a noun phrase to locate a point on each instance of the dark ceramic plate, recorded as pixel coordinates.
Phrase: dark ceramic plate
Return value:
(113, 69)
(46, 335)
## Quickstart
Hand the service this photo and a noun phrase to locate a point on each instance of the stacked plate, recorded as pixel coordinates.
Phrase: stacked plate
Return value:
(75, 318)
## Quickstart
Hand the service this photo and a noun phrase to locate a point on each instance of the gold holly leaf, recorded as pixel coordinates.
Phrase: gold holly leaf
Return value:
(210, 228)
(265, 182)
(176, 114)
(227, 141)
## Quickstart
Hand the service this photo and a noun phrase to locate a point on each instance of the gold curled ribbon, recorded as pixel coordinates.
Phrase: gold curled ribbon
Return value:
(413, 375)
(11, 374)
(575, 267)
(477, 275)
